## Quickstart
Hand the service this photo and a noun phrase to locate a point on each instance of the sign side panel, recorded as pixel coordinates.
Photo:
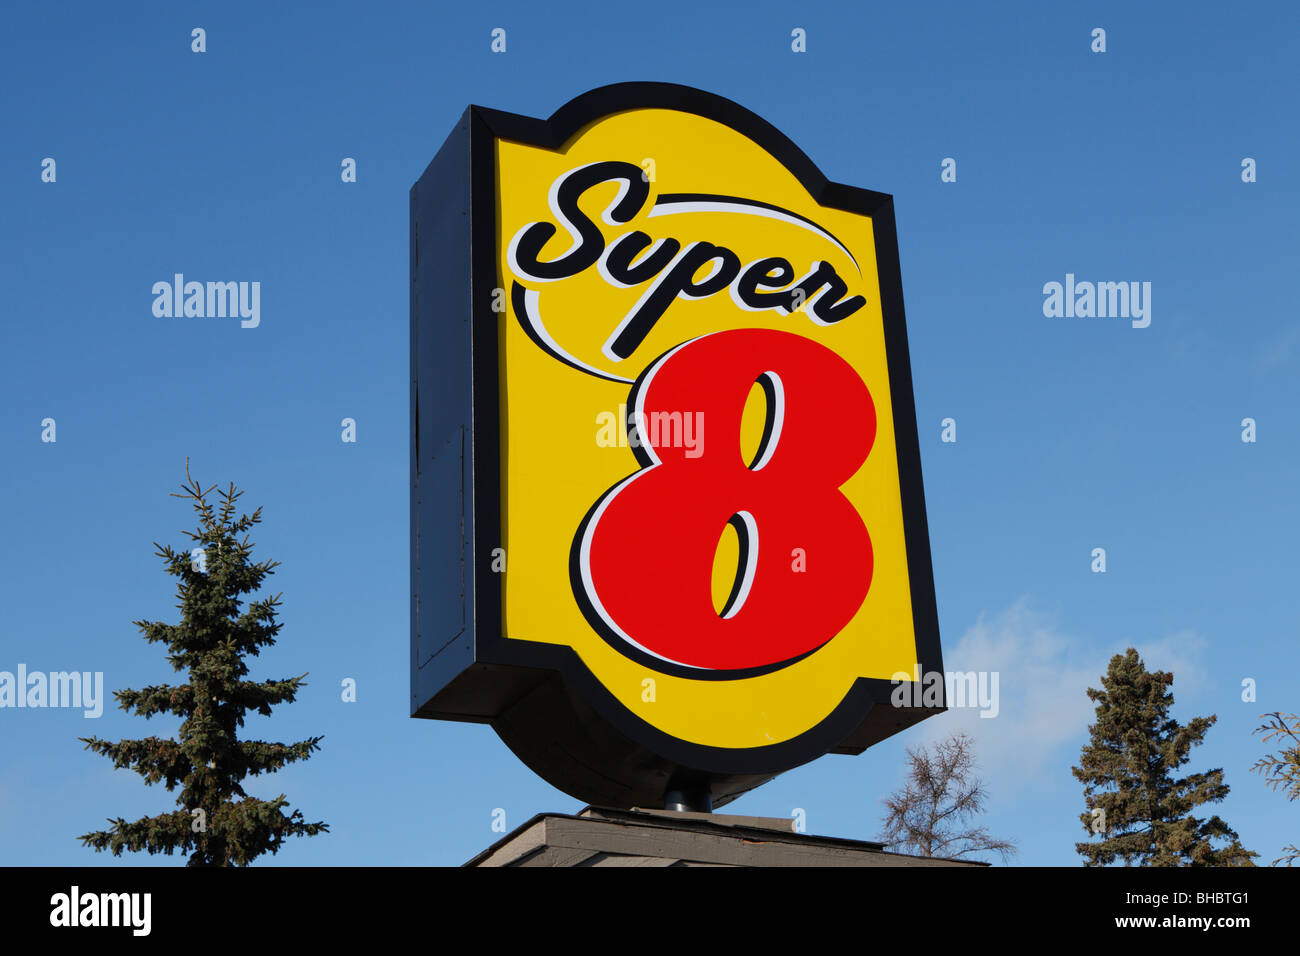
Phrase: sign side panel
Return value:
(441, 408)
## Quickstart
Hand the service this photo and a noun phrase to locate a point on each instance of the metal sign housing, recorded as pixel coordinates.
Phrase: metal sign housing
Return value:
(668, 529)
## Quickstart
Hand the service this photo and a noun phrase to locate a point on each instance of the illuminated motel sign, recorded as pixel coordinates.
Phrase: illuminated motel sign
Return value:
(668, 527)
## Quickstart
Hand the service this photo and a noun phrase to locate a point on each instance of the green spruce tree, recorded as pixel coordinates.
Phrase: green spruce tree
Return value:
(218, 824)
(1282, 770)
(1141, 813)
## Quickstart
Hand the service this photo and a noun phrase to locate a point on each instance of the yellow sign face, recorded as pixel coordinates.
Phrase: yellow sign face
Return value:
(702, 492)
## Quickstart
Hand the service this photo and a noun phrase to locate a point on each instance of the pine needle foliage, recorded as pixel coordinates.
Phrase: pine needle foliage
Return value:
(216, 823)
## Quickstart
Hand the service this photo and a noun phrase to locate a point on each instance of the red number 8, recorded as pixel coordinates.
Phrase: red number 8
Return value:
(643, 557)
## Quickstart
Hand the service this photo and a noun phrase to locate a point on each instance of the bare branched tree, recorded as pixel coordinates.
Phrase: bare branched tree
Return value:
(932, 814)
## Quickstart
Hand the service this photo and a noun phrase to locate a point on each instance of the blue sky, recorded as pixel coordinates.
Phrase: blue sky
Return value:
(1072, 433)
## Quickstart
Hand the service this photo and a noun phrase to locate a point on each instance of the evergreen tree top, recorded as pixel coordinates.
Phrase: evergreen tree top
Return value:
(218, 822)
(1135, 803)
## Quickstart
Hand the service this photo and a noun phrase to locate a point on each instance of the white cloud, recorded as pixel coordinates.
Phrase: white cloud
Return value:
(1043, 706)
(1042, 701)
